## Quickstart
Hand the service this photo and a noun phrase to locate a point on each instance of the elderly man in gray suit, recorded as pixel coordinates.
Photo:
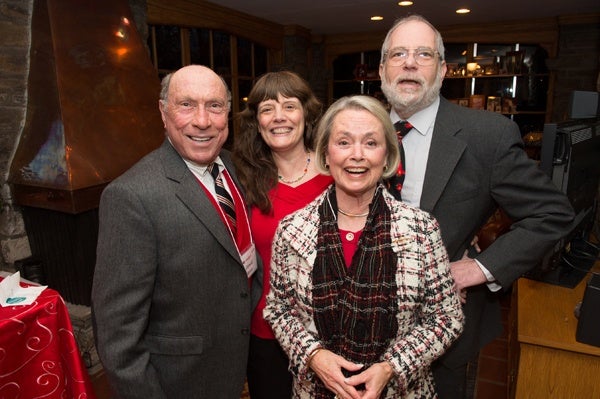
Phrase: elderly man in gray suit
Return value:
(176, 276)
(461, 164)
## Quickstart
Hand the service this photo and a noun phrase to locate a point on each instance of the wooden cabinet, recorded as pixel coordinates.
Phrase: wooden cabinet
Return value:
(357, 73)
(545, 360)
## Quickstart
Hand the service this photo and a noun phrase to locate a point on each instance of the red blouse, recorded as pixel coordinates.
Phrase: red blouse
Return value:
(285, 200)
(349, 244)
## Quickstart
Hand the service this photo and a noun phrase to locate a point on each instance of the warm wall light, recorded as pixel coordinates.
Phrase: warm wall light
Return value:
(376, 18)
(405, 3)
(463, 11)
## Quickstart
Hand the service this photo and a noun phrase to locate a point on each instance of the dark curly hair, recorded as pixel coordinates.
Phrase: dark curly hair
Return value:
(253, 159)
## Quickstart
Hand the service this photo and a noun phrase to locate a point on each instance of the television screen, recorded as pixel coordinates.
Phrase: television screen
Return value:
(570, 155)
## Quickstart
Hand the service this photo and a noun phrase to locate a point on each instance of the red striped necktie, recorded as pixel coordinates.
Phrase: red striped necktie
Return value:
(223, 197)
(395, 182)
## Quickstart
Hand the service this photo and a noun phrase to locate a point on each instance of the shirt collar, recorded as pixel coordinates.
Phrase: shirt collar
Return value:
(421, 120)
(201, 170)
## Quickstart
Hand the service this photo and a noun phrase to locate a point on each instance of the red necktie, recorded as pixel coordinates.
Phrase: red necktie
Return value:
(395, 182)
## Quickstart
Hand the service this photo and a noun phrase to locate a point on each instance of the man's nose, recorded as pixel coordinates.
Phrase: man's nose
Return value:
(202, 117)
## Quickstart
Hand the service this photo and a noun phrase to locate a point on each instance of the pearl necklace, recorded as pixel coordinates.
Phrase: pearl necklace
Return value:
(353, 215)
(304, 172)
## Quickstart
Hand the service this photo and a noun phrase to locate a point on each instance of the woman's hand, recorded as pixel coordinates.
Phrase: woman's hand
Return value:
(328, 367)
(375, 378)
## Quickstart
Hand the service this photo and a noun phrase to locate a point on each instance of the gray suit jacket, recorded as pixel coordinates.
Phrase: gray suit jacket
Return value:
(171, 300)
(477, 163)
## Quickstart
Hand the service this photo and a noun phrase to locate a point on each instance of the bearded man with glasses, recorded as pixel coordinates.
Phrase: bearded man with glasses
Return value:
(461, 165)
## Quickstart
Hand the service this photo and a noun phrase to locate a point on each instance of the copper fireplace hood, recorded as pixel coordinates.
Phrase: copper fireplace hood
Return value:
(92, 108)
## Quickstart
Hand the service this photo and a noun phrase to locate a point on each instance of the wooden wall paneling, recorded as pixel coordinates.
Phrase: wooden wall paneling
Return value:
(207, 15)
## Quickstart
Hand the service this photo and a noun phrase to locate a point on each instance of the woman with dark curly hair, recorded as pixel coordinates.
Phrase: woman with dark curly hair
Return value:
(274, 157)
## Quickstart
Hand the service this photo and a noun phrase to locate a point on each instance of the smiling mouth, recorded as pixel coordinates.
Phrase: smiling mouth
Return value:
(281, 130)
(199, 139)
(356, 171)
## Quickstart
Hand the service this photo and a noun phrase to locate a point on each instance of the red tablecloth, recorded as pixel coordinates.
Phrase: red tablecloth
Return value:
(39, 357)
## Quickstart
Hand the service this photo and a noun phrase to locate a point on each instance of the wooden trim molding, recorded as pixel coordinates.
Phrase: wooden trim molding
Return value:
(198, 13)
(544, 30)
(297, 30)
(581, 19)
(336, 45)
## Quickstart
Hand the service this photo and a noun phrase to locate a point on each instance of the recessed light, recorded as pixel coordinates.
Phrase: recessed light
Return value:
(405, 3)
(463, 11)
(376, 18)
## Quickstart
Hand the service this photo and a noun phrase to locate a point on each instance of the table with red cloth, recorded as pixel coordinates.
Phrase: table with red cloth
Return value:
(39, 357)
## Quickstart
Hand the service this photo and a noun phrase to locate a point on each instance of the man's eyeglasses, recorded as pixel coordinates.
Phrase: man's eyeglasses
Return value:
(424, 56)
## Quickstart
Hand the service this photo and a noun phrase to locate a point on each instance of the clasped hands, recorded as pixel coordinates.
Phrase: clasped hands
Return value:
(328, 367)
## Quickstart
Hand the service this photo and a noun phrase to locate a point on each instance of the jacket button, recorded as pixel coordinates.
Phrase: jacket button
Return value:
(245, 331)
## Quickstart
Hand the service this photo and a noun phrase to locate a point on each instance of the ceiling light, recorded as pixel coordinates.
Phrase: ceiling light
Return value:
(376, 18)
(463, 11)
(405, 3)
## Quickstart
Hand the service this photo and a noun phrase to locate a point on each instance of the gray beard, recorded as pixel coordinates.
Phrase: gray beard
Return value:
(407, 107)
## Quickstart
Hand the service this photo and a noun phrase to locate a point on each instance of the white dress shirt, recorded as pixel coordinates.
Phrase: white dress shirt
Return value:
(202, 174)
(416, 145)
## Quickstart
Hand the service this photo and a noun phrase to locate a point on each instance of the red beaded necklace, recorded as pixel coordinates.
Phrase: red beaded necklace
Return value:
(304, 172)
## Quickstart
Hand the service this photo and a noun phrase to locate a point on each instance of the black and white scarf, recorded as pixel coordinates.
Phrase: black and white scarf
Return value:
(355, 308)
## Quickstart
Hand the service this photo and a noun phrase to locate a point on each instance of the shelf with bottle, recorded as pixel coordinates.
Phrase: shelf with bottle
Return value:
(511, 79)
(465, 60)
(504, 105)
(518, 94)
(494, 76)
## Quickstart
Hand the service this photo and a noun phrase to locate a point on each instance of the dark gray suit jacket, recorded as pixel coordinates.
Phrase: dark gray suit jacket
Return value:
(171, 300)
(477, 163)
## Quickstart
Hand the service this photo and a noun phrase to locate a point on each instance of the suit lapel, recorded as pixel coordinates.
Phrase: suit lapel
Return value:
(189, 192)
(444, 154)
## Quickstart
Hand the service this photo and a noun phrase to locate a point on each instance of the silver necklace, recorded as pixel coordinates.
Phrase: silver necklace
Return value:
(353, 215)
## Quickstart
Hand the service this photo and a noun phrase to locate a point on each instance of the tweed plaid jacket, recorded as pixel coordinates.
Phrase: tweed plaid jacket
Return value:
(429, 319)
